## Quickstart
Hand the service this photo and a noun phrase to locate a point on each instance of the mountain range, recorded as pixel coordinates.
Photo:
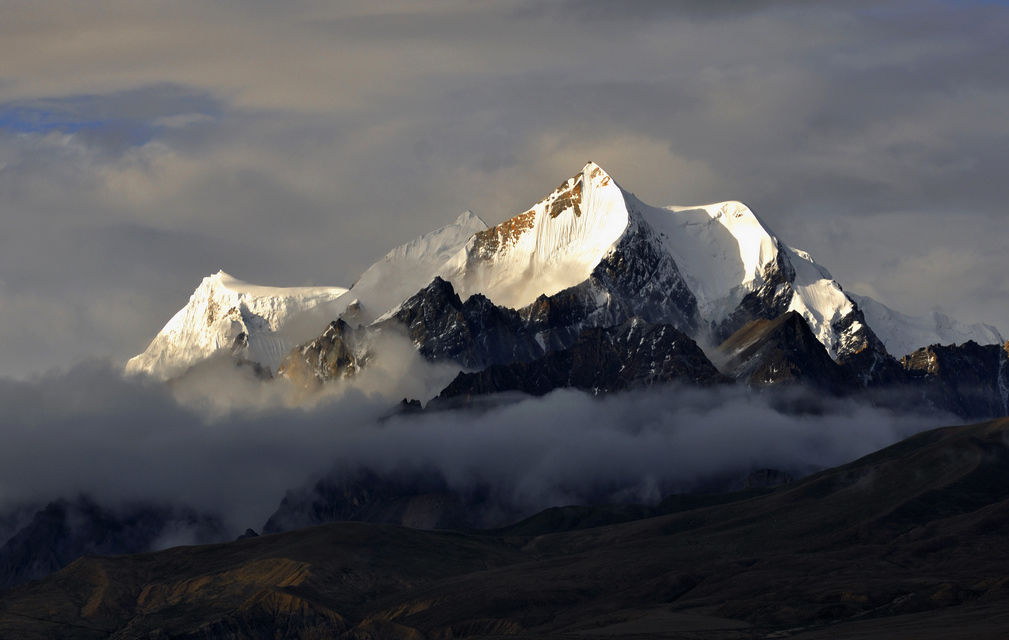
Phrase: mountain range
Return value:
(590, 256)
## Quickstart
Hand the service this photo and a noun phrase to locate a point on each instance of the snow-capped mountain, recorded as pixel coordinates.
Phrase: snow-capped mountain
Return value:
(225, 314)
(588, 255)
(729, 266)
(903, 334)
(729, 254)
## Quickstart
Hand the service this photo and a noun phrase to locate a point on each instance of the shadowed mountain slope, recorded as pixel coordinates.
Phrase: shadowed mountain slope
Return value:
(782, 350)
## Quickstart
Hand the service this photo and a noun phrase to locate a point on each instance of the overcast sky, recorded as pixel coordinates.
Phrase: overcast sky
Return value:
(145, 145)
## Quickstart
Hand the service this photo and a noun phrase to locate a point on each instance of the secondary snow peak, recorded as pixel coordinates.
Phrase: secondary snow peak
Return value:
(225, 314)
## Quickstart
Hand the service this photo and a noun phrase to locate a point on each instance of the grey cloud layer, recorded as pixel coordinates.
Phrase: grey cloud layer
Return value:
(88, 430)
(143, 146)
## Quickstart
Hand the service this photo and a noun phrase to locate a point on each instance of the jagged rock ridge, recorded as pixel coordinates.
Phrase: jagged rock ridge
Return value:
(633, 355)
(969, 380)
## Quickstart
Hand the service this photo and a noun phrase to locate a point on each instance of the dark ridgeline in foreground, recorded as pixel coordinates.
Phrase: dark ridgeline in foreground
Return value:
(910, 541)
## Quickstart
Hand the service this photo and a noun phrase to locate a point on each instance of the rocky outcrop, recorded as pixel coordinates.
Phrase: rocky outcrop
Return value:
(336, 354)
(766, 302)
(852, 341)
(474, 333)
(969, 380)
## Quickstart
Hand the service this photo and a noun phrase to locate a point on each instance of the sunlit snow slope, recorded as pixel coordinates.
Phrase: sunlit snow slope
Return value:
(553, 246)
(409, 268)
(226, 314)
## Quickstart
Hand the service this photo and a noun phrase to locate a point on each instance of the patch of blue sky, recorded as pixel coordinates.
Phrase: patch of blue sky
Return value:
(132, 117)
(28, 119)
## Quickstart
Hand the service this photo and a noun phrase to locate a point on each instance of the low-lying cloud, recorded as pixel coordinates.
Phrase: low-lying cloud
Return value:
(89, 430)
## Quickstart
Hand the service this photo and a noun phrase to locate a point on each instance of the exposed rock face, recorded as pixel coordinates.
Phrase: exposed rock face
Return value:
(477, 333)
(873, 369)
(66, 530)
(555, 342)
(852, 337)
(969, 380)
(418, 501)
(474, 333)
(335, 354)
(633, 355)
(778, 351)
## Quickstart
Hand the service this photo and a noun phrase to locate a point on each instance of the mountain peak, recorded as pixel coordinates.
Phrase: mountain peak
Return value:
(554, 245)
(470, 220)
(225, 314)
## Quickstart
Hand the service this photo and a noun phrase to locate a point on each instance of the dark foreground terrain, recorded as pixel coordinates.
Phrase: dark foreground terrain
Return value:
(909, 542)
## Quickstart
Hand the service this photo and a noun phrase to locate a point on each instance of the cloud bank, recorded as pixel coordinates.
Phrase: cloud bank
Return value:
(88, 430)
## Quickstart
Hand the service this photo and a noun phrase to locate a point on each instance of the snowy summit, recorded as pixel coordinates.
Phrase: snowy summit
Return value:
(226, 314)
